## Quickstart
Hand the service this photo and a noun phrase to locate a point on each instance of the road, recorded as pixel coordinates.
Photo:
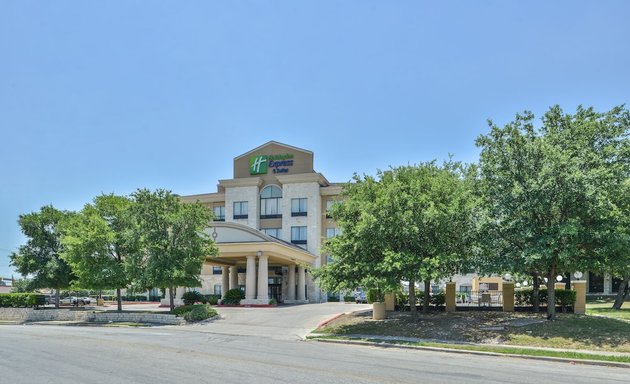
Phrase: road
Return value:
(219, 353)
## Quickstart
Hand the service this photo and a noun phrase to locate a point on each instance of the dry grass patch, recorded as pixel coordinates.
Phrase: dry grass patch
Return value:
(528, 329)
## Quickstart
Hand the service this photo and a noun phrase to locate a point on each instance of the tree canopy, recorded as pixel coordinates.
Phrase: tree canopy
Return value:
(172, 240)
(98, 241)
(412, 223)
(551, 190)
(40, 257)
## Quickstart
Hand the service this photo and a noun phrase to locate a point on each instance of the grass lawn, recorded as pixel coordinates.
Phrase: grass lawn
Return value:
(495, 329)
(605, 309)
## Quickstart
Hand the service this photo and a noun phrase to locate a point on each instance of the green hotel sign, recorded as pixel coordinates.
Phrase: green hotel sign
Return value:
(259, 165)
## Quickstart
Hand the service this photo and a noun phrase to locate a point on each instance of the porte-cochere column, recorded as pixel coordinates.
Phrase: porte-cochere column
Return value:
(291, 289)
(301, 295)
(225, 283)
(263, 278)
(250, 278)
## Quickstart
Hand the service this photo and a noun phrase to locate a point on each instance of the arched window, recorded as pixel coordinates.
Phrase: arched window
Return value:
(271, 202)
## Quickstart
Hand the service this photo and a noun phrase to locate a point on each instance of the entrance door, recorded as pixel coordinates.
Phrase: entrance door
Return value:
(275, 292)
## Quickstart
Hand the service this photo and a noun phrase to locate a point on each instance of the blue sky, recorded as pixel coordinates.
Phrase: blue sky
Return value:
(101, 97)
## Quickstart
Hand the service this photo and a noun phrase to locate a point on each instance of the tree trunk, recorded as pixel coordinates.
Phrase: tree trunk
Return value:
(171, 298)
(119, 299)
(412, 298)
(57, 298)
(551, 294)
(535, 292)
(622, 294)
(427, 296)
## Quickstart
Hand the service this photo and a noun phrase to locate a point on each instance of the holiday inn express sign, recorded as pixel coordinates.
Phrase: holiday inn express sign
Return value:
(259, 165)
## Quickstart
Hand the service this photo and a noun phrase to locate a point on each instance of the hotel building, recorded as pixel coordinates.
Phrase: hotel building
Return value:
(270, 224)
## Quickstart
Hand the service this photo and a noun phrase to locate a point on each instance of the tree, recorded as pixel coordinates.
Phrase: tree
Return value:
(414, 223)
(40, 256)
(549, 190)
(173, 244)
(23, 285)
(97, 242)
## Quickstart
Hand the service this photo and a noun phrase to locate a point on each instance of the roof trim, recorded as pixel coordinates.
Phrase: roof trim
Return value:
(276, 143)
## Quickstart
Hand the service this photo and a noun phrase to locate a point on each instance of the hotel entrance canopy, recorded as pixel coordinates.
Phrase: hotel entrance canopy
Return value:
(237, 241)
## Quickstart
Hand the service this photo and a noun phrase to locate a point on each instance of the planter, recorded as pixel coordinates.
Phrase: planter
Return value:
(378, 310)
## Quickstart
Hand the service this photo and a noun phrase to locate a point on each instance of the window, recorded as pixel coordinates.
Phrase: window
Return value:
(217, 289)
(332, 232)
(219, 213)
(217, 270)
(298, 235)
(270, 202)
(240, 209)
(298, 207)
(275, 232)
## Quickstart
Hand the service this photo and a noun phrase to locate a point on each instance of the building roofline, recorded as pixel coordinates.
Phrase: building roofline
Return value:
(273, 142)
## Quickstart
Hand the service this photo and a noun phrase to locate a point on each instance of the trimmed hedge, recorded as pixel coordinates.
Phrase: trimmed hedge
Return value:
(17, 300)
(564, 298)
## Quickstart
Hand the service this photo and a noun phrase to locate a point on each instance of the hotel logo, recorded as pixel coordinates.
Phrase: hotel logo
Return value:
(258, 165)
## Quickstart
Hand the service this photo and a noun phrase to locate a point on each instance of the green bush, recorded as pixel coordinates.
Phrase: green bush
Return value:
(16, 300)
(333, 299)
(438, 299)
(211, 299)
(199, 312)
(564, 298)
(180, 311)
(233, 297)
(191, 297)
(348, 298)
(374, 295)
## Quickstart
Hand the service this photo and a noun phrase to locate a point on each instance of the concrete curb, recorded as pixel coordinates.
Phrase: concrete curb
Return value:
(385, 344)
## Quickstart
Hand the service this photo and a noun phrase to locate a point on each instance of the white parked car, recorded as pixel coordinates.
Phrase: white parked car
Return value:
(72, 300)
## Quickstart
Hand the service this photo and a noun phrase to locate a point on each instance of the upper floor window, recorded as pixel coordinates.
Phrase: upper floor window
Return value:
(240, 209)
(275, 232)
(217, 270)
(219, 213)
(332, 232)
(271, 202)
(298, 235)
(298, 207)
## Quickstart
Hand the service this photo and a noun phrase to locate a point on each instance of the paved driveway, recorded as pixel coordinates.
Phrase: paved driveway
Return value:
(288, 322)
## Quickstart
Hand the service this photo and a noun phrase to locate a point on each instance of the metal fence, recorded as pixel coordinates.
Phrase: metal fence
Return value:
(479, 299)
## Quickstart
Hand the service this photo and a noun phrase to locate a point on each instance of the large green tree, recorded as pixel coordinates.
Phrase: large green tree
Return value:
(40, 257)
(98, 242)
(549, 190)
(173, 242)
(412, 223)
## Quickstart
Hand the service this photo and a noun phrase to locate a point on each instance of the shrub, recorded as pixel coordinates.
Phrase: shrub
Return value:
(211, 299)
(333, 299)
(565, 298)
(179, 311)
(273, 301)
(191, 297)
(374, 295)
(21, 300)
(199, 312)
(233, 297)
(348, 298)
(438, 299)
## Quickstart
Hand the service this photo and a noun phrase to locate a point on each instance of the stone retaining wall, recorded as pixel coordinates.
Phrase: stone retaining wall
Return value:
(22, 315)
